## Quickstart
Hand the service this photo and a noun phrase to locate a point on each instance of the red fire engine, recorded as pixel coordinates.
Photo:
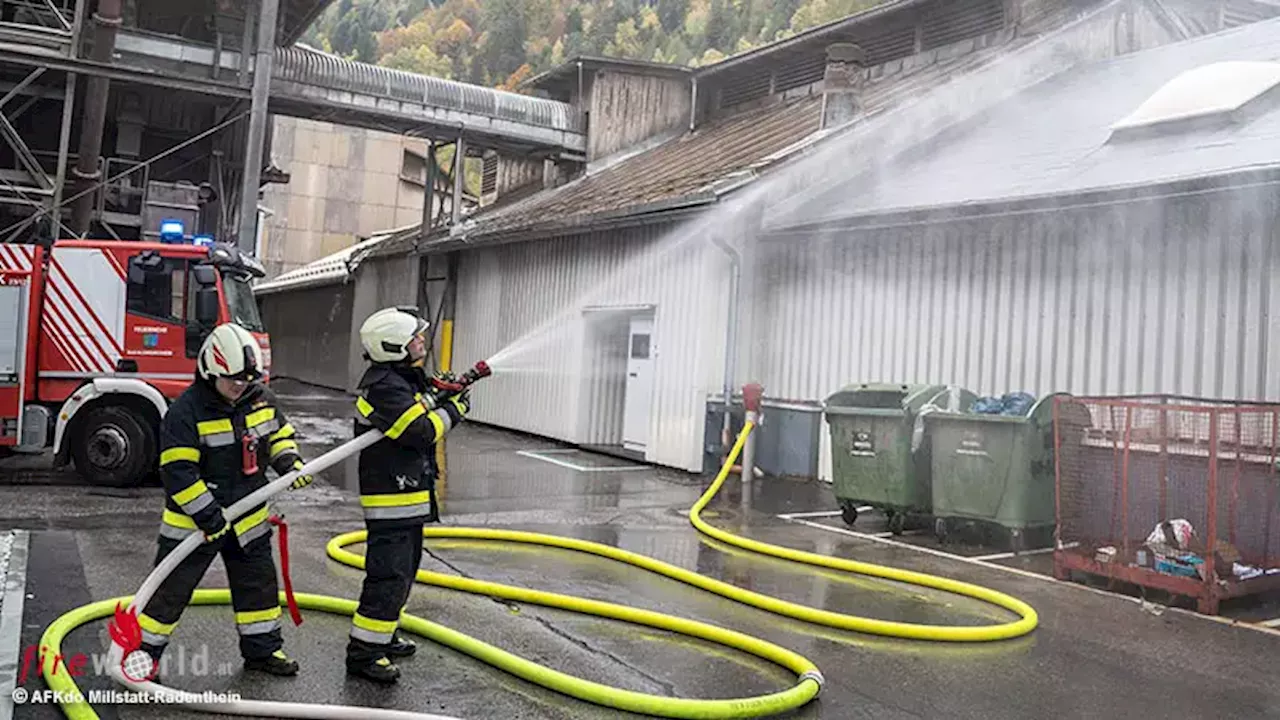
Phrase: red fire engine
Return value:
(96, 337)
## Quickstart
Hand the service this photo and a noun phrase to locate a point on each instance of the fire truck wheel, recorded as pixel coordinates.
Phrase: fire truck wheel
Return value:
(113, 446)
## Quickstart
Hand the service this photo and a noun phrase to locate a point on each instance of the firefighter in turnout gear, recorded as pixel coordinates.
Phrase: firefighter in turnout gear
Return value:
(216, 442)
(395, 482)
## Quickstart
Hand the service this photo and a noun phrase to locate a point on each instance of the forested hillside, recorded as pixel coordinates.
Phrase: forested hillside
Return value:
(501, 42)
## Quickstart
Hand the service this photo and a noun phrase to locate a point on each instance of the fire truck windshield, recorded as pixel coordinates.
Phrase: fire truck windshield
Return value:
(241, 304)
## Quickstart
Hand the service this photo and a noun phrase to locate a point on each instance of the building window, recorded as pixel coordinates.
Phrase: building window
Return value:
(413, 167)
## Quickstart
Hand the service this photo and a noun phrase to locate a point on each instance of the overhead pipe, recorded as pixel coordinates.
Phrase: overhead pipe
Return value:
(107, 21)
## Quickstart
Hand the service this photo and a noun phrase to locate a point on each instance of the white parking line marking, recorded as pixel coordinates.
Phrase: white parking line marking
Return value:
(571, 466)
(1007, 555)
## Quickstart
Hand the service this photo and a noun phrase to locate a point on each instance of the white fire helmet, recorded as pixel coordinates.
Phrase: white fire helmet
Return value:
(231, 352)
(387, 333)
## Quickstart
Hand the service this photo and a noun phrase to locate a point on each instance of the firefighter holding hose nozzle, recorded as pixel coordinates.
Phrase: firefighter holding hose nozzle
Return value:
(216, 442)
(396, 480)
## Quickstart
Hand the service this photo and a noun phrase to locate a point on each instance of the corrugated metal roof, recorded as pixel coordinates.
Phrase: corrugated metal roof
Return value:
(731, 151)
(685, 170)
(328, 270)
(1055, 139)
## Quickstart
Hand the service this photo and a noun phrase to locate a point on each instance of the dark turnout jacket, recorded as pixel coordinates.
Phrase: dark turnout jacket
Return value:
(202, 458)
(395, 472)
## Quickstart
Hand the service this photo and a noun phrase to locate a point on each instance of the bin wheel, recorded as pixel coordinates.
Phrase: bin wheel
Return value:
(940, 529)
(849, 514)
(897, 522)
(1017, 541)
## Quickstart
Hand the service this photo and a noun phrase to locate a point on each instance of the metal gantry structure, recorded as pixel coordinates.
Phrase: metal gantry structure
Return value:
(115, 114)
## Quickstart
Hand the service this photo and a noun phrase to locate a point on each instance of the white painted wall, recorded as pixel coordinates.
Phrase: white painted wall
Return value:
(540, 290)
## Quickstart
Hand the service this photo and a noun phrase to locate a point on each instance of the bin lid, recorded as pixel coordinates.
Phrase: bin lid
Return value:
(885, 396)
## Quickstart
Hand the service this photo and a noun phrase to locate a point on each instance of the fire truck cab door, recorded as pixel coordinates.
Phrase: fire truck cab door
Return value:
(162, 330)
(15, 299)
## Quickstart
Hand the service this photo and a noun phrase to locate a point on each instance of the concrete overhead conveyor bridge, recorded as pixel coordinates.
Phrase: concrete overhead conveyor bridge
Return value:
(161, 59)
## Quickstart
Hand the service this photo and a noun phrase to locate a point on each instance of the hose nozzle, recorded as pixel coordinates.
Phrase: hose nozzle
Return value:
(454, 386)
(480, 370)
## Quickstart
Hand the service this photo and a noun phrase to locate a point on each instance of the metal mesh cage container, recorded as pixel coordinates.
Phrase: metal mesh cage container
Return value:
(1172, 493)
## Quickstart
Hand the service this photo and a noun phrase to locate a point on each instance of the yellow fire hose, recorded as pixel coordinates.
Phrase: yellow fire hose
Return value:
(809, 678)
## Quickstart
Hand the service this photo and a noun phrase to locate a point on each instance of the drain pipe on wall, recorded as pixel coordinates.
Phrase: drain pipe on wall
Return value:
(731, 351)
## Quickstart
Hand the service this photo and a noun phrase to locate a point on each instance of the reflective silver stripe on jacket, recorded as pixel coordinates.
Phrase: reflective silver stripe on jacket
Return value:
(219, 439)
(397, 513)
(265, 428)
(254, 533)
(174, 533)
(202, 501)
(258, 628)
(370, 636)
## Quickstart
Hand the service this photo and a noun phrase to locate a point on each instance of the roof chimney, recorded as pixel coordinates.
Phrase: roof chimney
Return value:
(842, 84)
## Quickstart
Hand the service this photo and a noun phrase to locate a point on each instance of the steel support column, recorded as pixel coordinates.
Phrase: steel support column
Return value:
(64, 136)
(459, 173)
(429, 191)
(86, 171)
(258, 117)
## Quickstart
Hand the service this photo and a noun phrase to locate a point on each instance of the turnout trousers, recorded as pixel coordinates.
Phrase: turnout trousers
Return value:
(392, 557)
(251, 572)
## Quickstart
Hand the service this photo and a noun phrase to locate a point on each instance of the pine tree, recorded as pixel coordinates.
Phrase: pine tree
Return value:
(671, 13)
(504, 50)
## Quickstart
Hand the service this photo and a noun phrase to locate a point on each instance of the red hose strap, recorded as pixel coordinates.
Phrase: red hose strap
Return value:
(284, 568)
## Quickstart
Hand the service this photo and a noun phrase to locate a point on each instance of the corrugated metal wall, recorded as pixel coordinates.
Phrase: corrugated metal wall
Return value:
(310, 333)
(379, 283)
(1150, 297)
(563, 381)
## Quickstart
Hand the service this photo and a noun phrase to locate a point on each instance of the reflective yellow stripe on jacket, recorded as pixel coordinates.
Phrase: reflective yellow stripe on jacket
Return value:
(262, 422)
(177, 525)
(378, 632)
(282, 441)
(403, 422)
(396, 506)
(216, 433)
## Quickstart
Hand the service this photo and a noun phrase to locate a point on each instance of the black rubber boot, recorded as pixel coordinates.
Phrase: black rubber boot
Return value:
(381, 670)
(402, 646)
(277, 663)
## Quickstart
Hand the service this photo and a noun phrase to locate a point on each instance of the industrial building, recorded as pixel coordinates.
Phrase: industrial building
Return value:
(344, 183)
(978, 222)
(122, 114)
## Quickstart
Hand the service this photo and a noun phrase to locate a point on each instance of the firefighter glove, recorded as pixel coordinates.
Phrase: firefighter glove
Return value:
(462, 401)
(302, 480)
(221, 529)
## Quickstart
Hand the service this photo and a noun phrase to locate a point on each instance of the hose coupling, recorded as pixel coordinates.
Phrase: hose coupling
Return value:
(814, 675)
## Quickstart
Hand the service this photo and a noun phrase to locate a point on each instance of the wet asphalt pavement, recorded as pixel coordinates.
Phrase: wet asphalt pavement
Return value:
(1093, 656)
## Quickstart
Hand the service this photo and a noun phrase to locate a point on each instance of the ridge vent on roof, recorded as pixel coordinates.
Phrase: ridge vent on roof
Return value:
(1218, 92)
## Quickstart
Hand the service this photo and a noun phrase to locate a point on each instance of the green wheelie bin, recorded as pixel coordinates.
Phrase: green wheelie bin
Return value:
(872, 461)
(996, 467)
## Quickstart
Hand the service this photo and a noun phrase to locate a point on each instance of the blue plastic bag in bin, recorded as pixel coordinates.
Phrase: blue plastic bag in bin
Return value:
(1017, 404)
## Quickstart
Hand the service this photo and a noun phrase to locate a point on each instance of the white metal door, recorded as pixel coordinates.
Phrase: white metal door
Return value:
(639, 396)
